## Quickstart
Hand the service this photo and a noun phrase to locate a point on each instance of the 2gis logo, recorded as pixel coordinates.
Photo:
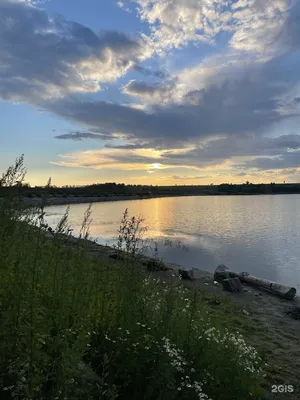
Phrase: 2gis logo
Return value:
(282, 388)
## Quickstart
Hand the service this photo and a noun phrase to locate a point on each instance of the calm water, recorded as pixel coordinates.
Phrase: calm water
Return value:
(258, 234)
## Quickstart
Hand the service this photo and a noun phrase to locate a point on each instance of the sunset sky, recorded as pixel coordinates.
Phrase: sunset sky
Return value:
(151, 91)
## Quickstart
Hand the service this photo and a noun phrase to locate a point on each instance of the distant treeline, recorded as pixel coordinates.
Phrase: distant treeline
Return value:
(115, 189)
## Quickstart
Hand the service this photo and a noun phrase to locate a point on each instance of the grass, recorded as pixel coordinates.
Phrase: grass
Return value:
(73, 327)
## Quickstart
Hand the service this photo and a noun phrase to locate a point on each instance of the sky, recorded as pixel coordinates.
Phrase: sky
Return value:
(158, 92)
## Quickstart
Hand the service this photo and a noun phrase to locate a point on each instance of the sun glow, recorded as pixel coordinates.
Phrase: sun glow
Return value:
(156, 166)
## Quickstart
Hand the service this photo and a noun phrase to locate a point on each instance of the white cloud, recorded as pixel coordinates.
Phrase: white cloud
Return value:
(254, 24)
(257, 24)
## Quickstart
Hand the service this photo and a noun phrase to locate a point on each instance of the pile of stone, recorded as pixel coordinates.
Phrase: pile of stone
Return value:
(222, 275)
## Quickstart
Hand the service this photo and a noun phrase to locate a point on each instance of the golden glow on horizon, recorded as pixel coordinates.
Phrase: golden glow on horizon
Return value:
(61, 176)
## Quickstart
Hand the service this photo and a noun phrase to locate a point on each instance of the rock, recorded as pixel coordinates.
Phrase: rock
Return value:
(245, 312)
(221, 273)
(232, 285)
(294, 312)
(186, 274)
(245, 290)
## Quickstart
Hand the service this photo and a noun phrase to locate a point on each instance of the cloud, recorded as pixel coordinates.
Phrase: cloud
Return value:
(237, 146)
(287, 160)
(46, 57)
(235, 156)
(80, 136)
(122, 5)
(252, 24)
(247, 103)
(288, 36)
(130, 146)
(128, 160)
(191, 177)
(232, 154)
(257, 24)
(152, 93)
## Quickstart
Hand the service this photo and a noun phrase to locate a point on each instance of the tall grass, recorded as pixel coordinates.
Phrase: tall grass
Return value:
(75, 327)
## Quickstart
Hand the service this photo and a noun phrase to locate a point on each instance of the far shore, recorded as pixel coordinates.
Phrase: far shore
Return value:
(58, 201)
(65, 200)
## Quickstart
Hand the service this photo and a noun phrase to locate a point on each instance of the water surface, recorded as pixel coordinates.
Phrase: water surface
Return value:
(258, 234)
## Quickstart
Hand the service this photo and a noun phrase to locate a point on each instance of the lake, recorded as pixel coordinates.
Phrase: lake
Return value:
(257, 234)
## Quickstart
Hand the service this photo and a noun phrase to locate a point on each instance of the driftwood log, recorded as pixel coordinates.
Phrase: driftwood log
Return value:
(286, 292)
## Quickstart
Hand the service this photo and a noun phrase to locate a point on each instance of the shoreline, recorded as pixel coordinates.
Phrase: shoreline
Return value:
(104, 251)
